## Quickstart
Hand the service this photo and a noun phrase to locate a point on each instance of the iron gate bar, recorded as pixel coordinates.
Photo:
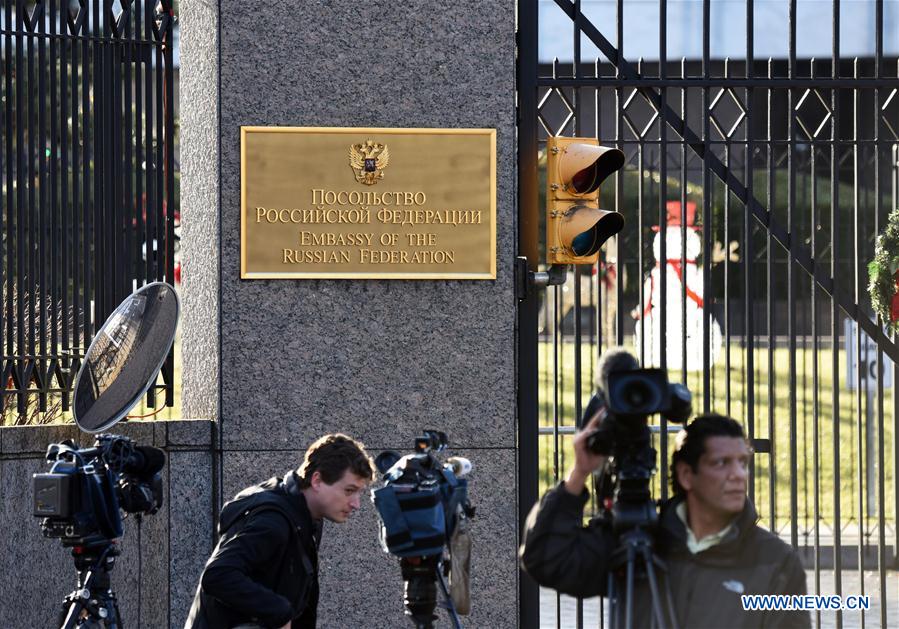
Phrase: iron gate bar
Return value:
(792, 282)
(5, 225)
(528, 381)
(706, 206)
(733, 82)
(683, 227)
(20, 212)
(727, 337)
(167, 253)
(881, 554)
(126, 51)
(858, 341)
(68, 113)
(663, 226)
(769, 259)
(748, 253)
(55, 244)
(834, 322)
(811, 261)
(41, 270)
(798, 254)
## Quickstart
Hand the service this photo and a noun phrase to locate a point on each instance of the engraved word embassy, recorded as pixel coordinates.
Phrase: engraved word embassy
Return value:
(414, 248)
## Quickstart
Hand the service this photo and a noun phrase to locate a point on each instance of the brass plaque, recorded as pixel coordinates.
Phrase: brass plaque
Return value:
(367, 203)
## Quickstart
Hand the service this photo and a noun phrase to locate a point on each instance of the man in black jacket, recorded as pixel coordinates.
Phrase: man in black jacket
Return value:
(264, 569)
(712, 548)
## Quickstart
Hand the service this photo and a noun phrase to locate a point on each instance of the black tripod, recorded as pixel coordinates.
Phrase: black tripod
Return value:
(635, 558)
(634, 517)
(93, 604)
(422, 574)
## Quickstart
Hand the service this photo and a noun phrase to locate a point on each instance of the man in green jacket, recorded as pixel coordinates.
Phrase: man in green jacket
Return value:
(712, 549)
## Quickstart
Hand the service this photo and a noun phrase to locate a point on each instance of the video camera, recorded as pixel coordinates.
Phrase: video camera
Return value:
(629, 396)
(81, 497)
(423, 506)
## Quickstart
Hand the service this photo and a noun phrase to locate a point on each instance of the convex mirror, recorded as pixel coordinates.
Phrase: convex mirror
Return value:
(125, 356)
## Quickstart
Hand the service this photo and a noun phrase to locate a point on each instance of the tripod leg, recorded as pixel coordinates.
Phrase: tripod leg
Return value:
(613, 601)
(629, 589)
(659, 617)
(76, 599)
(114, 620)
(662, 616)
(450, 607)
(72, 615)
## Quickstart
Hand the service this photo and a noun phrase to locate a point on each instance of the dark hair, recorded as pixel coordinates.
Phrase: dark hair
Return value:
(331, 456)
(690, 442)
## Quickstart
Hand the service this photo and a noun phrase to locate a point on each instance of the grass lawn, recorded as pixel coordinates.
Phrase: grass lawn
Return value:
(837, 472)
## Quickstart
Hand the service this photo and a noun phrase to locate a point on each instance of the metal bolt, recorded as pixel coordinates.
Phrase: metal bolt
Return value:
(554, 150)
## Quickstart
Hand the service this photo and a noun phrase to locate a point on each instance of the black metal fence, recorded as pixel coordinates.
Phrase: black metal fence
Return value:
(790, 166)
(87, 210)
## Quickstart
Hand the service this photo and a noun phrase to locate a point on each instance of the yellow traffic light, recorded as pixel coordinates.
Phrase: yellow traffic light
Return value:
(575, 226)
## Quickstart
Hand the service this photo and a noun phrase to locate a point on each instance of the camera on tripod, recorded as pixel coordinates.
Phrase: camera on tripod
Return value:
(629, 398)
(80, 499)
(424, 508)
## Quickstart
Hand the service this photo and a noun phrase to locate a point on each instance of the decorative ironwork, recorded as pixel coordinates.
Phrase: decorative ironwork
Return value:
(787, 162)
(88, 202)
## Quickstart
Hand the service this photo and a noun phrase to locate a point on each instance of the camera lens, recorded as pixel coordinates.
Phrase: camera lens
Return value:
(637, 394)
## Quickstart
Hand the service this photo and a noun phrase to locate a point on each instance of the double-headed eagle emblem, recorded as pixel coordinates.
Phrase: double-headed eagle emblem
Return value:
(368, 160)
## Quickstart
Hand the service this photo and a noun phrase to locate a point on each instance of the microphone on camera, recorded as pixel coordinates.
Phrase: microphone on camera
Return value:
(615, 360)
(461, 466)
(145, 461)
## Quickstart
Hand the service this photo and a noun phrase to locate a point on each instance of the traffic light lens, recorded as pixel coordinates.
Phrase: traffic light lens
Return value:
(585, 181)
(585, 244)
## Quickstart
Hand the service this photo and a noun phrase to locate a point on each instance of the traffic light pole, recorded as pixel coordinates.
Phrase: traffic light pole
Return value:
(528, 305)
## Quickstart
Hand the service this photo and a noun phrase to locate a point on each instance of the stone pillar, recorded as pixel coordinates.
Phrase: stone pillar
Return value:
(200, 191)
(289, 360)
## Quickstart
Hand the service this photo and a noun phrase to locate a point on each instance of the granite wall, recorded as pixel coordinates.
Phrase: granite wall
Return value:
(155, 576)
(271, 365)
(289, 360)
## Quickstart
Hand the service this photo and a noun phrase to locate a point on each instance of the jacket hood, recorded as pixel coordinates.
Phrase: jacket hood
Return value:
(675, 533)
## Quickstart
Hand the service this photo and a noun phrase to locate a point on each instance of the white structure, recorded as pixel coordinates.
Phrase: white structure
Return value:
(683, 281)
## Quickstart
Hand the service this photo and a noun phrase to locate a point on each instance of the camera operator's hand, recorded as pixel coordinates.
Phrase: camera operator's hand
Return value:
(585, 461)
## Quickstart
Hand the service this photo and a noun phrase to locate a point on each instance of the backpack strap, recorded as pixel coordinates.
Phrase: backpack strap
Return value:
(295, 538)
